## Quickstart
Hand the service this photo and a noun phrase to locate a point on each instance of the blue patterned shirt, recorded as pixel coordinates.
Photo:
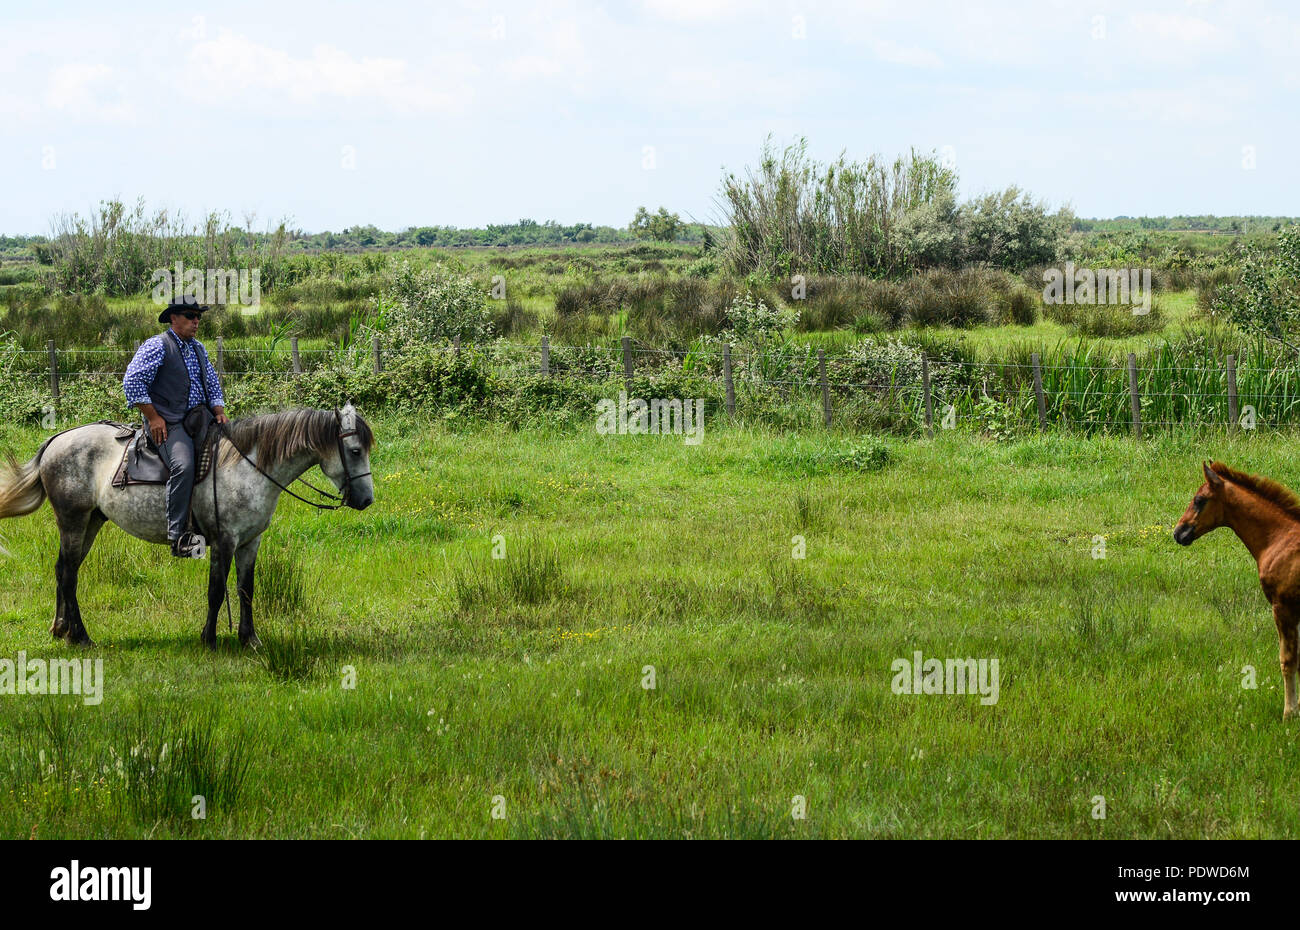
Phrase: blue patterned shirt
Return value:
(144, 368)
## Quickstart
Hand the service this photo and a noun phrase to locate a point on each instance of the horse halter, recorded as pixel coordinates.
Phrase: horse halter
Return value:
(350, 429)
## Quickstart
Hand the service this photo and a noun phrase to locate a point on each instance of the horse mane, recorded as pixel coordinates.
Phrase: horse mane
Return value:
(280, 436)
(1284, 498)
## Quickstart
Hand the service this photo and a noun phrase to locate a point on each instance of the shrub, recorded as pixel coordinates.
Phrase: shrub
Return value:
(510, 317)
(944, 298)
(1010, 230)
(996, 419)
(887, 300)
(751, 321)
(1209, 284)
(871, 456)
(705, 267)
(546, 399)
(430, 305)
(1021, 307)
(435, 378)
(933, 233)
(1265, 299)
(831, 302)
(1114, 321)
(889, 365)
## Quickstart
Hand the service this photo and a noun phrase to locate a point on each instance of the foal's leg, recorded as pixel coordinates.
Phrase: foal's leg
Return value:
(1286, 618)
(245, 560)
(76, 535)
(219, 555)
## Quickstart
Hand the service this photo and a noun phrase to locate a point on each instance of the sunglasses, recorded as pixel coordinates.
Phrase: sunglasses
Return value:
(191, 315)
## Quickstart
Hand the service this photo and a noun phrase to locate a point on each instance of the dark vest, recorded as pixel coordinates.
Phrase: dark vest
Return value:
(170, 390)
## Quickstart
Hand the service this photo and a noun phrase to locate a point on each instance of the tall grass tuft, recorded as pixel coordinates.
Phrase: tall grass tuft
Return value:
(164, 763)
(279, 584)
(288, 656)
(530, 573)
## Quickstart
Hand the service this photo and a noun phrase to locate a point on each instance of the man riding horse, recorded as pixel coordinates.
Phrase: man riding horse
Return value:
(169, 377)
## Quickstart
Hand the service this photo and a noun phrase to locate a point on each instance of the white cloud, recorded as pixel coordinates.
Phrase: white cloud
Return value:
(236, 71)
(79, 90)
(889, 51)
(1171, 27)
(1196, 107)
(693, 10)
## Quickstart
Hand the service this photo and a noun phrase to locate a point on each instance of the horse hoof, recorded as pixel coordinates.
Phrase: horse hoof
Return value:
(210, 643)
(85, 642)
(252, 642)
(59, 632)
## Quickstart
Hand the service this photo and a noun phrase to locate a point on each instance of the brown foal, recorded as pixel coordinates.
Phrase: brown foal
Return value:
(1266, 517)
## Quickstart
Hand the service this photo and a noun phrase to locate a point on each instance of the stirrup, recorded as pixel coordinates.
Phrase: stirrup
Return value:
(188, 546)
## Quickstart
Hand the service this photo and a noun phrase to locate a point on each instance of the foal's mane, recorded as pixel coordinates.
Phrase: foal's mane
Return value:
(280, 436)
(1267, 488)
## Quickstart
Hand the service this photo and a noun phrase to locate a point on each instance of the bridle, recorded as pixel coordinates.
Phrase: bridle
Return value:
(340, 500)
(348, 477)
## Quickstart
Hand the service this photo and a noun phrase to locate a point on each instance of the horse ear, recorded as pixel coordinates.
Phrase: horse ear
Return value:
(1212, 476)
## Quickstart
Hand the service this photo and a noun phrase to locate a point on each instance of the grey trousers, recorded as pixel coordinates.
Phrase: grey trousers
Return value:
(178, 455)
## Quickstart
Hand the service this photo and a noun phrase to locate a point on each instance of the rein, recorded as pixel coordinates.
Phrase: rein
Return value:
(221, 428)
(340, 499)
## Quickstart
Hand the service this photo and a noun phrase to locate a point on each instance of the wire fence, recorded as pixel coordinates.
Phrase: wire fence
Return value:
(929, 392)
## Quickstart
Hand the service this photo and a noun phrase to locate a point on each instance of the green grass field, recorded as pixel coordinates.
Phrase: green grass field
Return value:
(521, 679)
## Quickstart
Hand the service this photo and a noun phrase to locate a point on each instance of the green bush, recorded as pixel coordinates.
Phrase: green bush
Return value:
(870, 456)
(751, 321)
(1114, 321)
(887, 300)
(419, 307)
(945, 298)
(436, 378)
(1011, 230)
(511, 318)
(539, 399)
(1020, 307)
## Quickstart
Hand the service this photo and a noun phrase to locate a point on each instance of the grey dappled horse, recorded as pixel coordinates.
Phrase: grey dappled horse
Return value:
(75, 470)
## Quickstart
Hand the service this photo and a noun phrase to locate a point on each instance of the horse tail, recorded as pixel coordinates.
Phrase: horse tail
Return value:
(21, 490)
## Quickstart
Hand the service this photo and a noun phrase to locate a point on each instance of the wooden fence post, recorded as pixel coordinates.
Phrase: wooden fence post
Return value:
(221, 356)
(455, 344)
(627, 363)
(1233, 412)
(726, 375)
(1038, 394)
(929, 398)
(826, 388)
(54, 370)
(297, 362)
(374, 351)
(546, 356)
(1134, 400)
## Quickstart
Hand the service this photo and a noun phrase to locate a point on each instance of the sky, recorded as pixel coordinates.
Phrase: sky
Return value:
(330, 115)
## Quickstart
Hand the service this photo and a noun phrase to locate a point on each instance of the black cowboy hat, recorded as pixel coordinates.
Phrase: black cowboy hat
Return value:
(181, 306)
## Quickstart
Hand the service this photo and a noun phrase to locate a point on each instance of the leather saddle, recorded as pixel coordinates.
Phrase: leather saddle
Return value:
(143, 464)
